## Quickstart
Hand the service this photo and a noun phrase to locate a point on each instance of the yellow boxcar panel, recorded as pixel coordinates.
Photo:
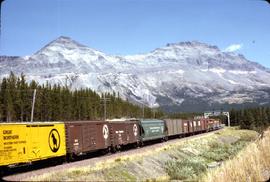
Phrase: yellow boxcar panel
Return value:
(26, 142)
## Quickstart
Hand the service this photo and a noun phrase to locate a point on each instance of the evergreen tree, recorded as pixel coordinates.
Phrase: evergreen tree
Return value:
(55, 103)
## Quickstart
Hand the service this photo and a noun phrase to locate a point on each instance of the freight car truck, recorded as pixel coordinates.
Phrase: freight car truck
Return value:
(29, 142)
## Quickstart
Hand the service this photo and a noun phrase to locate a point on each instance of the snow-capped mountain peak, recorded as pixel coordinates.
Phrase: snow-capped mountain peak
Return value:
(186, 74)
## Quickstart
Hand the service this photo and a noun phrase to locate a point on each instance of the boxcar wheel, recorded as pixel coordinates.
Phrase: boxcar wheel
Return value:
(70, 157)
(2, 171)
(119, 148)
(141, 144)
(106, 151)
(137, 145)
(113, 149)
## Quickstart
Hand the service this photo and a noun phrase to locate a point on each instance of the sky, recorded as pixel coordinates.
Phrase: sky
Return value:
(127, 27)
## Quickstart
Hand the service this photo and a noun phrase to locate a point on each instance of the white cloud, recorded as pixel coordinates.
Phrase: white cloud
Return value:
(233, 47)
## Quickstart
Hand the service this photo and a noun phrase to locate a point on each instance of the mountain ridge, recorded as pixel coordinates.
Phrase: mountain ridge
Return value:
(166, 77)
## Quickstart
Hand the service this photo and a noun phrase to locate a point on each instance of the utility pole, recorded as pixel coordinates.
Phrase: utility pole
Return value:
(142, 110)
(105, 100)
(154, 112)
(33, 104)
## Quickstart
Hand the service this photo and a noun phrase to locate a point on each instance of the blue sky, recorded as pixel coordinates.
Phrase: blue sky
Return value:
(128, 27)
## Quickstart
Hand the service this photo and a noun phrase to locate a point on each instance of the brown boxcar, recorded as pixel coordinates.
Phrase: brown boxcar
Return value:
(124, 132)
(86, 136)
(210, 124)
(196, 126)
(199, 125)
(185, 126)
(204, 124)
(190, 126)
(216, 124)
(175, 126)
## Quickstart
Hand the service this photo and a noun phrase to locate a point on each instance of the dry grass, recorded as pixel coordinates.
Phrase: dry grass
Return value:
(251, 164)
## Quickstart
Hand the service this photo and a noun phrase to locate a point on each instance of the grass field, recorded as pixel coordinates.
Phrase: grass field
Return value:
(251, 164)
(189, 159)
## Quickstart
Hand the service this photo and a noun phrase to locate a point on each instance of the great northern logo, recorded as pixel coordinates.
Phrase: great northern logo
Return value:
(105, 131)
(135, 130)
(54, 140)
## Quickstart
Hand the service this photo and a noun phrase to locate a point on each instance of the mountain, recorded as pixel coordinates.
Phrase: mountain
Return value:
(185, 76)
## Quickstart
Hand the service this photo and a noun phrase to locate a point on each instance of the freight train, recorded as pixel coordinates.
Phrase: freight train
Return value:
(24, 143)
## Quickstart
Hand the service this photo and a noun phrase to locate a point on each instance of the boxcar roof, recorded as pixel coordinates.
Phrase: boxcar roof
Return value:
(151, 120)
(89, 121)
(26, 123)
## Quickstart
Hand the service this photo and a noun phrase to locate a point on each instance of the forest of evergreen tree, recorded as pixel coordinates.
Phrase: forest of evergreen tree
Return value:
(60, 103)
(251, 118)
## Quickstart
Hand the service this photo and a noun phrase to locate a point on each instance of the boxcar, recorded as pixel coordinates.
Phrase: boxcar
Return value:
(175, 127)
(86, 136)
(124, 132)
(190, 126)
(28, 142)
(198, 125)
(153, 129)
(195, 126)
(216, 124)
(185, 126)
(204, 124)
(210, 124)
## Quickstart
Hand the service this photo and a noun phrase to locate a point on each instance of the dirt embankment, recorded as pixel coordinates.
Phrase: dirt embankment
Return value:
(182, 159)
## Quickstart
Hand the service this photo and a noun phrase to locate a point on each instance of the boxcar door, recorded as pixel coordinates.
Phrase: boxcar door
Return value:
(190, 127)
(75, 138)
(185, 126)
(127, 134)
(93, 130)
(86, 137)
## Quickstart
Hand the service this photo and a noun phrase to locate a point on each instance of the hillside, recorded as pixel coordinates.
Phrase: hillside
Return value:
(251, 164)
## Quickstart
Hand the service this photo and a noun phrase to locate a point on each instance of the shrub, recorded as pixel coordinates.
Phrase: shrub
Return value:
(184, 169)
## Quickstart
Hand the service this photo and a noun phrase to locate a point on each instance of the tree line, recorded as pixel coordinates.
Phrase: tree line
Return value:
(251, 118)
(54, 102)
(59, 103)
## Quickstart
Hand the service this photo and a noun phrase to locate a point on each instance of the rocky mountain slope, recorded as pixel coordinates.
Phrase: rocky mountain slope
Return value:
(186, 76)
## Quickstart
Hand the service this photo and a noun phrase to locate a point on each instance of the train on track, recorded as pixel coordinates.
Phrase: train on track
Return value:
(28, 142)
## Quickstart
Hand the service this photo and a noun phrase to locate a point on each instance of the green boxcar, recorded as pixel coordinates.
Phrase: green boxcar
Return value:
(153, 129)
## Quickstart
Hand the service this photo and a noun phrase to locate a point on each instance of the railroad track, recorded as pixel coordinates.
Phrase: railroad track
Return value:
(94, 160)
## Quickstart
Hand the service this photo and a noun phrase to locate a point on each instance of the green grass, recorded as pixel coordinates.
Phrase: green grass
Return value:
(185, 169)
(117, 159)
(118, 173)
(223, 146)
